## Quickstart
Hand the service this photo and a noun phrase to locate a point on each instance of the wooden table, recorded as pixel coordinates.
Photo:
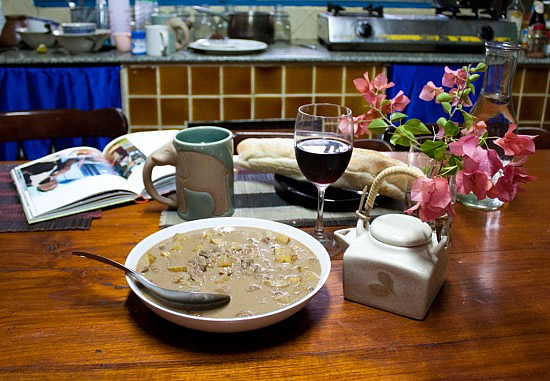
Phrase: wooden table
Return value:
(66, 317)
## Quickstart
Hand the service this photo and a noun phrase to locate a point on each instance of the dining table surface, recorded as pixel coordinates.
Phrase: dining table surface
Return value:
(64, 317)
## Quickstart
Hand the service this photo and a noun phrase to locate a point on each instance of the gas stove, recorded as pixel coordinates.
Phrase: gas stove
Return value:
(449, 30)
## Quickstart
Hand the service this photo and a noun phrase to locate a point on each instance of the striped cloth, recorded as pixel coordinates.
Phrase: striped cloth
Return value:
(256, 196)
(12, 217)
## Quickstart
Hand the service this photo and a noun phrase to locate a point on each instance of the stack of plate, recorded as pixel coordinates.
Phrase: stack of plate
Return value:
(81, 37)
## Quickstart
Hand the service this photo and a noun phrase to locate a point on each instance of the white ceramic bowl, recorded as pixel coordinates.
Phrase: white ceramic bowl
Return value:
(82, 43)
(33, 39)
(78, 28)
(227, 324)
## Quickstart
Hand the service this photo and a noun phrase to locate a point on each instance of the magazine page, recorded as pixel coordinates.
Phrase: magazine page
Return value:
(64, 178)
(127, 155)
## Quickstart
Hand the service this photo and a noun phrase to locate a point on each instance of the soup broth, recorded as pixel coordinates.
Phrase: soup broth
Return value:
(262, 270)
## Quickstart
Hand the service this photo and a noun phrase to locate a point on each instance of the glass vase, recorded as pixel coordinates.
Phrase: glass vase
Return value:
(494, 106)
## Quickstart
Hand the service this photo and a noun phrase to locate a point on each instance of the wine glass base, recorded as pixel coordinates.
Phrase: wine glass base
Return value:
(332, 246)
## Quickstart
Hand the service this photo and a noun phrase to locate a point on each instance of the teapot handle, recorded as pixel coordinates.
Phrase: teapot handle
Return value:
(364, 210)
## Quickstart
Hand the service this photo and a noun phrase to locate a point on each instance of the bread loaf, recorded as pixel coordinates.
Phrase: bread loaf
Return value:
(276, 155)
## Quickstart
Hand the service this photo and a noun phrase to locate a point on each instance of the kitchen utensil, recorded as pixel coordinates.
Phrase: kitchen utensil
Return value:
(236, 324)
(182, 299)
(250, 25)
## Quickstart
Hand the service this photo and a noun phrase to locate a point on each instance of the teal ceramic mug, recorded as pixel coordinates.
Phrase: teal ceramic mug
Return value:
(203, 157)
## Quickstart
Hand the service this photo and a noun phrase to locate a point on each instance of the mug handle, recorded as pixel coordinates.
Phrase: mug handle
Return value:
(181, 30)
(165, 155)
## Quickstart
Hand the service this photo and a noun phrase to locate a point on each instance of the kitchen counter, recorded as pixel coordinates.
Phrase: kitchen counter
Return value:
(276, 53)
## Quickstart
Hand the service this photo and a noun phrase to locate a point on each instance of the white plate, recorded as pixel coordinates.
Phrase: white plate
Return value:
(227, 46)
(227, 324)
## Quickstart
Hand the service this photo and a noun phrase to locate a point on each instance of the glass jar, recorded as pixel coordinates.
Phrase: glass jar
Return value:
(281, 25)
(204, 26)
(494, 106)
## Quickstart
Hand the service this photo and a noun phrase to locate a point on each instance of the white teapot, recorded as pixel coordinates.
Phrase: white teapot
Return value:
(396, 263)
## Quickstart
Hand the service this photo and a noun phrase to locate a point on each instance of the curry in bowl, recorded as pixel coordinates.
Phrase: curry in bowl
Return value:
(261, 269)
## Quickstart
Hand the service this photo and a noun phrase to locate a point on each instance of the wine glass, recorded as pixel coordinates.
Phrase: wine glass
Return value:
(323, 143)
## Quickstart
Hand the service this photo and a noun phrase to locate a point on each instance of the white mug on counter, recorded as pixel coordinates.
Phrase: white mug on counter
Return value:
(157, 39)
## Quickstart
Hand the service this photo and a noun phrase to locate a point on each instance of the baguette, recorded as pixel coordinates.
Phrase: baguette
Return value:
(276, 155)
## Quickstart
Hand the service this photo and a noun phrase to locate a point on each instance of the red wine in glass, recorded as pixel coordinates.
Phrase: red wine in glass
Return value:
(323, 160)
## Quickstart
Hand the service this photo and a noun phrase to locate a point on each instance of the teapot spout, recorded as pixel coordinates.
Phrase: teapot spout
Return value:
(435, 250)
(346, 235)
(350, 235)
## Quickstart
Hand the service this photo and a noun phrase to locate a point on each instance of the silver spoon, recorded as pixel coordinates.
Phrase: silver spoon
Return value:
(182, 299)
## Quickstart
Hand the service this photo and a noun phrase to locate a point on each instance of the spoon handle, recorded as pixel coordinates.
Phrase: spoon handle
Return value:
(99, 258)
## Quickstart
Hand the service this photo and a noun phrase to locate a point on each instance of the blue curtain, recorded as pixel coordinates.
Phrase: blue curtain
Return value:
(39, 88)
(412, 78)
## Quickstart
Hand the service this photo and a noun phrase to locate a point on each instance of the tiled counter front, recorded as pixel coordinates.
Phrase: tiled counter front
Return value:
(166, 96)
(169, 95)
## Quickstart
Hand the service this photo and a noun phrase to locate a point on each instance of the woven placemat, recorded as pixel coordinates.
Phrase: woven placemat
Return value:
(257, 196)
(12, 217)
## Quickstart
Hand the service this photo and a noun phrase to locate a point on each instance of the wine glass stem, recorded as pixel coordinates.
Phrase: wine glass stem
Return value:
(319, 228)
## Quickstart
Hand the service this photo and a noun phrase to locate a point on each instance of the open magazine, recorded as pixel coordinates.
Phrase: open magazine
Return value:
(84, 178)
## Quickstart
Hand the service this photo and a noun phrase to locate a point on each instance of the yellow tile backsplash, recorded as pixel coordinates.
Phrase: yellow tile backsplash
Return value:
(236, 80)
(174, 111)
(205, 80)
(143, 112)
(173, 80)
(299, 79)
(142, 81)
(268, 79)
(328, 79)
(169, 96)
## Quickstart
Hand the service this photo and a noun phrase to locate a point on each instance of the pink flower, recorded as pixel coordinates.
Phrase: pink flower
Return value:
(513, 144)
(476, 181)
(381, 82)
(477, 129)
(466, 145)
(363, 85)
(397, 103)
(430, 91)
(454, 77)
(433, 198)
(508, 184)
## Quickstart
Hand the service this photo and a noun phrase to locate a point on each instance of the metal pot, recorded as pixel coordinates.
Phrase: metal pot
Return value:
(250, 25)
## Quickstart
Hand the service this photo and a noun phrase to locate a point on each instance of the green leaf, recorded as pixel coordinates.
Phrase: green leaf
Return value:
(446, 107)
(434, 149)
(397, 116)
(377, 126)
(402, 137)
(456, 162)
(472, 88)
(474, 77)
(441, 122)
(444, 97)
(451, 128)
(385, 102)
(481, 67)
(416, 127)
(468, 119)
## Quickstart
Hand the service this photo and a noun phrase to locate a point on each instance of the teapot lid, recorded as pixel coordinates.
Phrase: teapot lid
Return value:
(400, 230)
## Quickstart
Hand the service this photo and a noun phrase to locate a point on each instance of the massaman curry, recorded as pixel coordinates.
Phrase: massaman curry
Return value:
(262, 270)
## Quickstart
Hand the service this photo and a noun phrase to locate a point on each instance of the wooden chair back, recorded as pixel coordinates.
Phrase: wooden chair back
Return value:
(62, 123)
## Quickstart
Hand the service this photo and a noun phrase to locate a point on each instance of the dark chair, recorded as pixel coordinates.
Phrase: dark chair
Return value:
(61, 123)
(542, 141)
